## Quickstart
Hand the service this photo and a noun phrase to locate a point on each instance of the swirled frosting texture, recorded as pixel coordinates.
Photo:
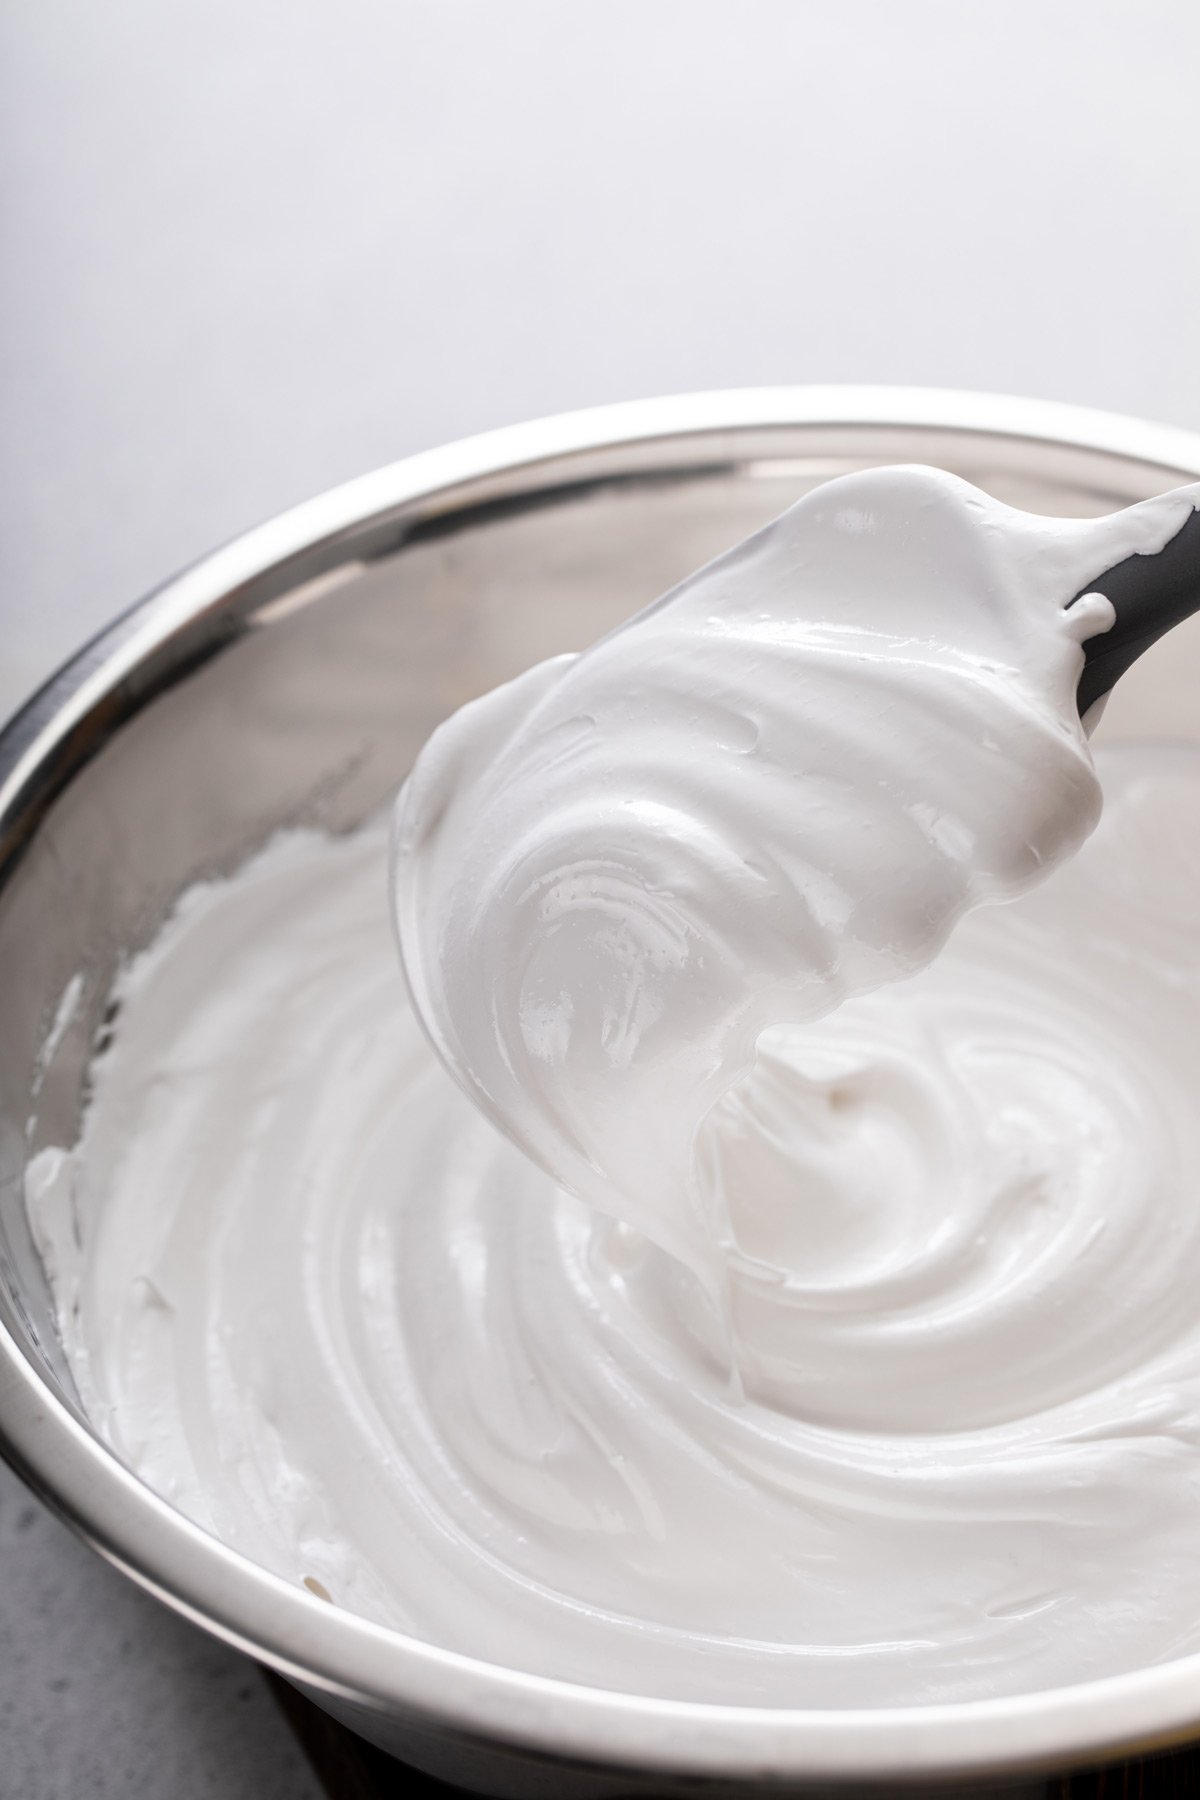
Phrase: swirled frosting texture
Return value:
(778, 786)
(317, 1301)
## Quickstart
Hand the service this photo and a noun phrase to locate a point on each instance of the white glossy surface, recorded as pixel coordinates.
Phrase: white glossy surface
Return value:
(473, 1409)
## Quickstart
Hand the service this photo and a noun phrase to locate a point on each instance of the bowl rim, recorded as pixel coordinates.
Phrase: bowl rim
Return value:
(370, 1666)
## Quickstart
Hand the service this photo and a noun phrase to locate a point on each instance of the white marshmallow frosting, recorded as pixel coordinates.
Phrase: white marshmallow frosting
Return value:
(667, 908)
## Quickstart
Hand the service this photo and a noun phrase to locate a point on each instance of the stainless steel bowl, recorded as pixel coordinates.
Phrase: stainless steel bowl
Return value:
(290, 677)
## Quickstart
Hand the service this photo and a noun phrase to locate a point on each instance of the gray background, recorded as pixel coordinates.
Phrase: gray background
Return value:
(253, 247)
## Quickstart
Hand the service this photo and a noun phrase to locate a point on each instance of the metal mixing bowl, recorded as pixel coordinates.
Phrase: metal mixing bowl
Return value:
(290, 678)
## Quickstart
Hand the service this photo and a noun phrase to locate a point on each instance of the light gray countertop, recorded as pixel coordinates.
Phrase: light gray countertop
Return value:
(254, 247)
(105, 1693)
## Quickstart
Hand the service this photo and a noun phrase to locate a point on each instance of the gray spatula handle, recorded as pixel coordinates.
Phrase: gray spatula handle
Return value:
(1150, 594)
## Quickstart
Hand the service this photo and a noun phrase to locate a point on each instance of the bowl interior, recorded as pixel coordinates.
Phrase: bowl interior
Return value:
(301, 696)
(292, 679)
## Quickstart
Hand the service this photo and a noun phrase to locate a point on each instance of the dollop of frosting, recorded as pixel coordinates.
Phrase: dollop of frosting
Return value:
(777, 787)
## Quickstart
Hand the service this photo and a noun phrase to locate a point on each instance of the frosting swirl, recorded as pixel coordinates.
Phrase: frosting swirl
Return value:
(318, 1302)
(778, 786)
